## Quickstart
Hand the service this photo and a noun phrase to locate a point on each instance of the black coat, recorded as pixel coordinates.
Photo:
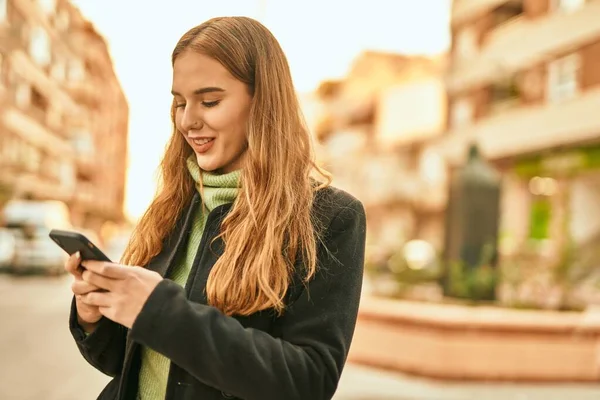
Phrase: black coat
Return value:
(299, 355)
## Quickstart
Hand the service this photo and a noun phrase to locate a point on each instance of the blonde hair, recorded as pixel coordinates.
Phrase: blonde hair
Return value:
(270, 227)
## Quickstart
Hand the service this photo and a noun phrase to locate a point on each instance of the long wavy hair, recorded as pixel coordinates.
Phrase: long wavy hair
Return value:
(270, 227)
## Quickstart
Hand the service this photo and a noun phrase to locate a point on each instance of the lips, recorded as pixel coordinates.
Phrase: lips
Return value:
(201, 141)
(202, 145)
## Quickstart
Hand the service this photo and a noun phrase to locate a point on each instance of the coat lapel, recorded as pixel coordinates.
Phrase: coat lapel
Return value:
(175, 241)
(162, 262)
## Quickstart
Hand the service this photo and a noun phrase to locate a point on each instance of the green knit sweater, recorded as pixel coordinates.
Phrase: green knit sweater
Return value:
(217, 190)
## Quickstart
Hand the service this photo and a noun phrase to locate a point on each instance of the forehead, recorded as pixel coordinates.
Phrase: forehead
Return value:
(192, 71)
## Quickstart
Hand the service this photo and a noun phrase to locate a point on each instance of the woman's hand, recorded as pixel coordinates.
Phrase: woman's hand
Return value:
(127, 289)
(87, 315)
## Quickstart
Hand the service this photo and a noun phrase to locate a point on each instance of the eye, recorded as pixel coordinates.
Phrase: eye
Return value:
(180, 105)
(209, 104)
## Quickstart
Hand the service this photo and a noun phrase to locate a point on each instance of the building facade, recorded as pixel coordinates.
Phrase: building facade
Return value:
(524, 84)
(64, 117)
(374, 127)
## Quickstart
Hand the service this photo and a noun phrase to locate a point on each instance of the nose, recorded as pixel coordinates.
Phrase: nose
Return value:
(190, 120)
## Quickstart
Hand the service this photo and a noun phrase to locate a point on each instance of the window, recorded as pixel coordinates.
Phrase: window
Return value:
(33, 159)
(59, 71)
(47, 6)
(563, 82)
(39, 46)
(462, 113)
(466, 44)
(76, 71)
(505, 94)
(13, 147)
(83, 143)
(506, 11)
(23, 95)
(67, 174)
(3, 9)
(567, 5)
(54, 117)
(62, 20)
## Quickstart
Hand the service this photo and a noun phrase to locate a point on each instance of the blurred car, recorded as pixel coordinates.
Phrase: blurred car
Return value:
(8, 244)
(30, 222)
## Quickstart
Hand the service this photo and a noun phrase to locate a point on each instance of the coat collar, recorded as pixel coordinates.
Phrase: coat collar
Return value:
(178, 237)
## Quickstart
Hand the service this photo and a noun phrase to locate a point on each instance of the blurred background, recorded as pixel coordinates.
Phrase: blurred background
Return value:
(469, 129)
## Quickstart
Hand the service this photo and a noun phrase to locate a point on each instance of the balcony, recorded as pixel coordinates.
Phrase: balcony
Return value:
(386, 179)
(410, 113)
(39, 187)
(521, 42)
(39, 18)
(11, 37)
(32, 131)
(528, 129)
(23, 66)
(464, 10)
(504, 15)
(52, 175)
(504, 96)
(85, 91)
(45, 118)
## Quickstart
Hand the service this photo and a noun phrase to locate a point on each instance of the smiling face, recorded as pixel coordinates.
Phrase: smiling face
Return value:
(211, 111)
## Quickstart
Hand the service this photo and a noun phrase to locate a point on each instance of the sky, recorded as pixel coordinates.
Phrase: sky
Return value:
(319, 37)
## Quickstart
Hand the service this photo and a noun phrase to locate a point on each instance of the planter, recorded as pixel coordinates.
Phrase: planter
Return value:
(452, 341)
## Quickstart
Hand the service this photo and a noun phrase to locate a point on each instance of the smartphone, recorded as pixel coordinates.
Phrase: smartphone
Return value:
(72, 242)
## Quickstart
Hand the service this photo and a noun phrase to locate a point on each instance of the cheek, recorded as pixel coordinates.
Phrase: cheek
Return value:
(230, 118)
(218, 119)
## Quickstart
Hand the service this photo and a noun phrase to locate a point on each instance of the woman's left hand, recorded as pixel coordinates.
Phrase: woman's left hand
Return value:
(127, 289)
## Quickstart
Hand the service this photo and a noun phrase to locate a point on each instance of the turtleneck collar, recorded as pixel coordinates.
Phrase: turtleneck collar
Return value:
(215, 189)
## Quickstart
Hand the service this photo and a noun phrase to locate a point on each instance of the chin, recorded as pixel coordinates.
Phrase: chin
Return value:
(207, 165)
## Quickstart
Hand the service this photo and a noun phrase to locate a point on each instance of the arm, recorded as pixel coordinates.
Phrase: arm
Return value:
(316, 330)
(104, 348)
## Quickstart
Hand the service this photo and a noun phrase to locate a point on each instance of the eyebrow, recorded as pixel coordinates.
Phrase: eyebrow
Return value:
(203, 90)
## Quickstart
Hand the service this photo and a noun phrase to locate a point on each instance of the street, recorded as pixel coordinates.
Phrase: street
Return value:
(40, 362)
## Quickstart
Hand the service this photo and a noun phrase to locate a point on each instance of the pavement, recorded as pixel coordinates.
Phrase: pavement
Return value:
(38, 360)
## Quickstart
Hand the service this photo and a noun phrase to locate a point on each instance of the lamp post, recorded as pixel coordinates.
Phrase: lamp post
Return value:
(471, 232)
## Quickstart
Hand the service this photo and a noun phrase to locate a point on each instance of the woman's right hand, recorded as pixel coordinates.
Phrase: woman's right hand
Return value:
(87, 315)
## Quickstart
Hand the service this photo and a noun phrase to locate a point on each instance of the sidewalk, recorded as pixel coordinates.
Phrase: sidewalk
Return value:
(361, 383)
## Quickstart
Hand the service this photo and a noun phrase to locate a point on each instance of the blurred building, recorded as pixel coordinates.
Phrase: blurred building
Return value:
(374, 128)
(64, 117)
(524, 83)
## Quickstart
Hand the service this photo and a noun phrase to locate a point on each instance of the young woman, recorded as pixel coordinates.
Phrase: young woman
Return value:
(243, 277)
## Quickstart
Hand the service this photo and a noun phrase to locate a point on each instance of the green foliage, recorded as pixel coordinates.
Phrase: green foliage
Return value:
(477, 283)
(541, 215)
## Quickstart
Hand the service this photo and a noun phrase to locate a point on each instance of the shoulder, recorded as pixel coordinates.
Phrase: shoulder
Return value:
(334, 206)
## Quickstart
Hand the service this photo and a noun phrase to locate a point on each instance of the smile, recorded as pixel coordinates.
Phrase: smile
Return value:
(202, 141)
(202, 145)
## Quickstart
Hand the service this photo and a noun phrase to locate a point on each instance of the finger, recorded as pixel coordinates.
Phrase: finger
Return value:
(98, 280)
(107, 269)
(98, 299)
(72, 265)
(108, 312)
(80, 287)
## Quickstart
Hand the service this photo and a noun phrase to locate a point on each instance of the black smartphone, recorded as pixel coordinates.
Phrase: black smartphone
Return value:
(72, 242)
